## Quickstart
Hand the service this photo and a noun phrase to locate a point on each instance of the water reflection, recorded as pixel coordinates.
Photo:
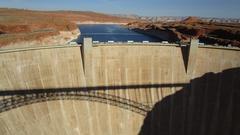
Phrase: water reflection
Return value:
(112, 32)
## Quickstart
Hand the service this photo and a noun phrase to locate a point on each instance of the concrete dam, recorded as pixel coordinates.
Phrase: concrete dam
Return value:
(120, 89)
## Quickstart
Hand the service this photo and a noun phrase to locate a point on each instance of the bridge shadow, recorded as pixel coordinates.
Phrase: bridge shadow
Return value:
(17, 98)
(210, 105)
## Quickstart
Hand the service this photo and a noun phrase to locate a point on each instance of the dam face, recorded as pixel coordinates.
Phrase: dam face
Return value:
(119, 89)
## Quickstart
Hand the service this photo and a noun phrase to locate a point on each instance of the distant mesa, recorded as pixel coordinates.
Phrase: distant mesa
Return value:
(191, 19)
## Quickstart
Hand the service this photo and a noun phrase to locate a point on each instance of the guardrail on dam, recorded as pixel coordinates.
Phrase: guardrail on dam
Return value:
(120, 89)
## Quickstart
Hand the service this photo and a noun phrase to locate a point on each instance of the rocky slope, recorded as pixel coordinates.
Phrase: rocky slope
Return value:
(18, 25)
(208, 32)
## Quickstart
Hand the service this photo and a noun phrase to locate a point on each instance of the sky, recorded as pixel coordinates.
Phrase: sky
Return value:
(202, 8)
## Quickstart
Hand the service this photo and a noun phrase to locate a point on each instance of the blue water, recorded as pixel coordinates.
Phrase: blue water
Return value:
(112, 32)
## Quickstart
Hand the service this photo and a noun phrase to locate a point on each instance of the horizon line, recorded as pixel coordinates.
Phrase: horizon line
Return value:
(115, 14)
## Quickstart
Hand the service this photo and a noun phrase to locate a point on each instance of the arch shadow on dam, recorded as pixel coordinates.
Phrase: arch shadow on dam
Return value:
(210, 105)
(17, 98)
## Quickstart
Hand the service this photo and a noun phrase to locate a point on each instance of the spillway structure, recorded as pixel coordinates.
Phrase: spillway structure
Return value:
(120, 89)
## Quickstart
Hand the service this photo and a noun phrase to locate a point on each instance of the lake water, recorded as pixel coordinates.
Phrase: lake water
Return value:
(112, 32)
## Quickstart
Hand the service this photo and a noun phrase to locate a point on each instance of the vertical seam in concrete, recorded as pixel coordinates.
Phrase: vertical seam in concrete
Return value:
(152, 81)
(157, 89)
(9, 82)
(160, 88)
(64, 116)
(108, 106)
(140, 98)
(89, 119)
(172, 97)
(39, 71)
(76, 115)
(98, 128)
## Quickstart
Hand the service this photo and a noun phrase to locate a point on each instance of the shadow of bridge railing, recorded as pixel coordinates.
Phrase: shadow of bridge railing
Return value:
(16, 98)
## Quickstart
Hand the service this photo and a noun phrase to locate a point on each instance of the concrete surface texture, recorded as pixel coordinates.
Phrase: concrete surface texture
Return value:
(101, 90)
